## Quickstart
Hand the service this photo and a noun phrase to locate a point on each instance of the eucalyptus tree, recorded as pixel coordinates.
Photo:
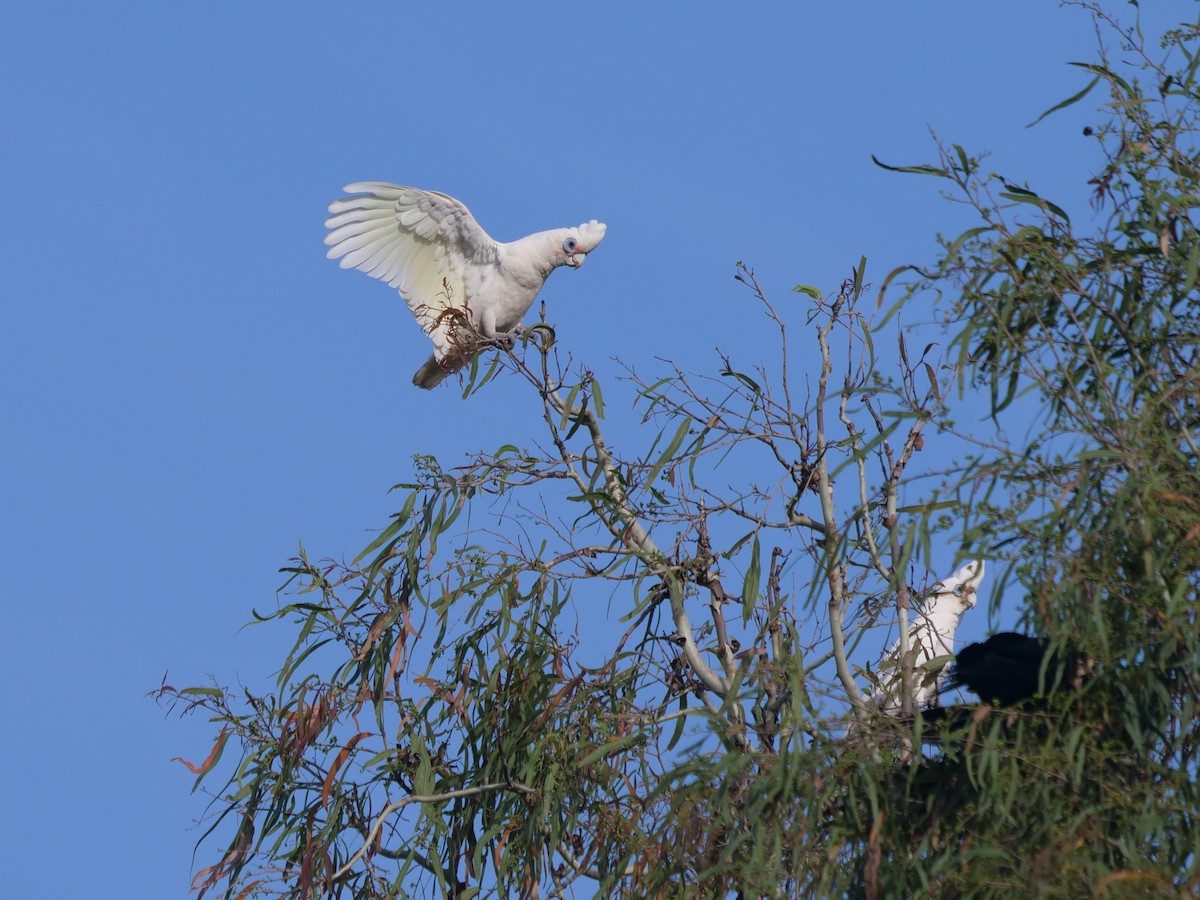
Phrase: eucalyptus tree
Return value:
(566, 665)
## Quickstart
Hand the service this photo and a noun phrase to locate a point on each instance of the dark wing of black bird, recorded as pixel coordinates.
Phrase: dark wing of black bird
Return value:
(1004, 669)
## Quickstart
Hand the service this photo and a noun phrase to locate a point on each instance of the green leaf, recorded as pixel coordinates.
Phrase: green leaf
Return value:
(578, 418)
(914, 170)
(679, 723)
(859, 271)
(1104, 73)
(1074, 98)
(744, 379)
(592, 497)
(967, 235)
(899, 270)
(965, 163)
(669, 453)
(202, 692)
(750, 584)
(1022, 195)
(569, 406)
(399, 521)
(597, 399)
(423, 782)
(608, 748)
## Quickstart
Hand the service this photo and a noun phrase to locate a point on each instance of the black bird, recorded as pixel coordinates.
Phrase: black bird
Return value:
(1005, 669)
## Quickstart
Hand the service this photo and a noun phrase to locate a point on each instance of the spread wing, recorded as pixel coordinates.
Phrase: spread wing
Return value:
(425, 244)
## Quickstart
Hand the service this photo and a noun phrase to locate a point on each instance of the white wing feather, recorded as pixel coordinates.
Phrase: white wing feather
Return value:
(423, 243)
(430, 248)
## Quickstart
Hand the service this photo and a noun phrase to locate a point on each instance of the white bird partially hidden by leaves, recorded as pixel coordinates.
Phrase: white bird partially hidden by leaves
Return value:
(448, 270)
(931, 629)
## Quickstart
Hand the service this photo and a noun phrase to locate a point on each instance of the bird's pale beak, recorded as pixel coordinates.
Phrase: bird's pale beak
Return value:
(576, 260)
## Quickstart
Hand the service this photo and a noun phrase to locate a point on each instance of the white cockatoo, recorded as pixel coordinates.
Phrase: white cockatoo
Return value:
(931, 628)
(429, 247)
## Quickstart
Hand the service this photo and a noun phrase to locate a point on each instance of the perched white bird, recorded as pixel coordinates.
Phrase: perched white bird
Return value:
(449, 272)
(931, 630)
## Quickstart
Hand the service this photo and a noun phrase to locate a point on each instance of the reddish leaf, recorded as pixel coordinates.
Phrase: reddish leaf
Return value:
(164, 688)
(211, 759)
(206, 878)
(397, 659)
(377, 628)
(341, 758)
(409, 628)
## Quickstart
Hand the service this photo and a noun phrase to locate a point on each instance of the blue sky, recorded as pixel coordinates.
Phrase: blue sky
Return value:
(191, 388)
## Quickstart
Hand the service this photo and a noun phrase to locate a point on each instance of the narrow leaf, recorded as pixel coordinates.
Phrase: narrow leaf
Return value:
(1075, 98)
(338, 760)
(211, 759)
(914, 170)
(750, 585)
(569, 407)
(672, 448)
(597, 399)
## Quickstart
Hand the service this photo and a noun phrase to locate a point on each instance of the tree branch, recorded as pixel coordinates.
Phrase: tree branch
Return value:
(397, 805)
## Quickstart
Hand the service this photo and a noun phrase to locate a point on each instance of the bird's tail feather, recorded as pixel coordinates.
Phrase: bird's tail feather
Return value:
(430, 375)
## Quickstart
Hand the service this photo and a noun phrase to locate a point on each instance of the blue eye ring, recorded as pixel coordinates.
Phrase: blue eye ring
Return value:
(570, 244)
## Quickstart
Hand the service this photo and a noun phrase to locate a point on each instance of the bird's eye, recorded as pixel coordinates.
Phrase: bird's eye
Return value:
(570, 244)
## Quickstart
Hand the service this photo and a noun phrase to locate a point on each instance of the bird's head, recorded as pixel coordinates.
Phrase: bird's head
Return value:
(963, 584)
(578, 242)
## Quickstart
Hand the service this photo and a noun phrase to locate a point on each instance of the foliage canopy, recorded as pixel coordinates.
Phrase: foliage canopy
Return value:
(454, 717)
